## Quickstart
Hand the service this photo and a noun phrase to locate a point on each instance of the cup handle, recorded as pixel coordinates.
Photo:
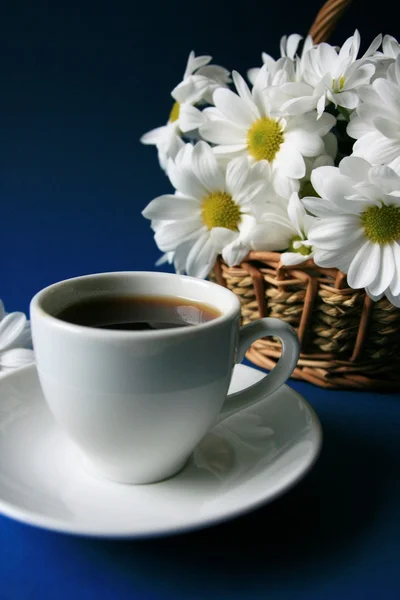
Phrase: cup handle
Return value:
(270, 383)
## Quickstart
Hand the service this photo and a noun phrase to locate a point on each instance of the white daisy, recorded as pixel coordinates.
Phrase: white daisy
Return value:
(212, 211)
(248, 124)
(15, 340)
(199, 82)
(286, 68)
(390, 47)
(358, 230)
(284, 228)
(376, 126)
(300, 248)
(331, 76)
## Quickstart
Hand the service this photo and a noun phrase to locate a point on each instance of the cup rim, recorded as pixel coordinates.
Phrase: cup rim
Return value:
(230, 313)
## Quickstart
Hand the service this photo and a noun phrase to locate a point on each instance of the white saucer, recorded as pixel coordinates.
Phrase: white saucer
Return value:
(244, 462)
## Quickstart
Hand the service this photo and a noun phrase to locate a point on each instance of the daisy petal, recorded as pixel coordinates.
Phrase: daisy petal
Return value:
(11, 327)
(201, 257)
(284, 185)
(385, 273)
(291, 161)
(2, 311)
(173, 233)
(296, 213)
(385, 179)
(376, 148)
(220, 237)
(223, 132)
(365, 266)
(237, 174)
(355, 167)
(348, 99)
(319, 207)
(190, 118)
(207, 169)
(234, 107)
(330, 184)
(154, 136)
(18, 357)
(309, 144)
(184, 181)
(293, 258)
(395, 285)
(242, 88)
(388, 92)
(335, 233)
(361, 76)
(190, 90)
(170, 206)
(387, 128)
(235, 253)
(358, 127)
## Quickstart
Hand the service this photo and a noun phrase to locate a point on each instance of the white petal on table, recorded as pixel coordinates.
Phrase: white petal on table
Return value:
(11, 327)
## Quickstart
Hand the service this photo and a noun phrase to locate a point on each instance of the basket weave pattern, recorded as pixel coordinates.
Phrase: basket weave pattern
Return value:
(347, 340)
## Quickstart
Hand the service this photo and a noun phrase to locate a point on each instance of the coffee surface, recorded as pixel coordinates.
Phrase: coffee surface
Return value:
(135, 313)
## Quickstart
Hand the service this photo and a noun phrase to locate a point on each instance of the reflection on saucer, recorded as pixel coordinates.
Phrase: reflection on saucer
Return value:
(234, 445)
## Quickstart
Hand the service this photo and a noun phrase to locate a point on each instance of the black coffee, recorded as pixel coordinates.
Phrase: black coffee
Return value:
(138, 312)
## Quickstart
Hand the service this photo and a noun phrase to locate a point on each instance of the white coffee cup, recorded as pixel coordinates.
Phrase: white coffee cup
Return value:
(138, 402)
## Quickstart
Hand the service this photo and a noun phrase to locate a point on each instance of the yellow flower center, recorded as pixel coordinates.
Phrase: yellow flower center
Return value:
(219, 210)
(340, 83)
(264, 138)
(381, 223)
(303, 250)
(174, 114)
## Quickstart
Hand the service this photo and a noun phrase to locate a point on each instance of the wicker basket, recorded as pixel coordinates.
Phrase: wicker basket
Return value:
(347, 340)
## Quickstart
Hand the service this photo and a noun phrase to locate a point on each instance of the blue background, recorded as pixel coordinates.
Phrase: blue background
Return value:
(80, 82)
